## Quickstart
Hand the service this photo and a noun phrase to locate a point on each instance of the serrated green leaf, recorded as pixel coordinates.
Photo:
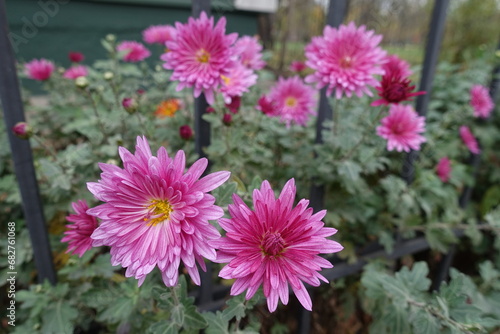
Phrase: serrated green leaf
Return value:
(424, 323)
(235, 308)
(163, 327)
(216, 323)
(193, 319)
(58, 318)
(177, 314)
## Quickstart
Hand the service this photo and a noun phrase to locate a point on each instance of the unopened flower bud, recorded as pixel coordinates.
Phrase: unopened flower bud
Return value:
(108, 75)
(130, 105)
(110, 37)
(81, 82)
(210, 110)
(140, 91)
(227, 119)
(186, 132)
(22, 130)
(112, 162)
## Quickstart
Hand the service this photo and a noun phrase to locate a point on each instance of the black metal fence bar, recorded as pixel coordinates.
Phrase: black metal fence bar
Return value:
(22, 156)
(435, 35)
(202, 140)
(334, 18)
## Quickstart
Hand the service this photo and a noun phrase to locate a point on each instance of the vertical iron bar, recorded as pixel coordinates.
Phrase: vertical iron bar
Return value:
(432, 49)
(22, 156)
(202, 140)
(334, 18)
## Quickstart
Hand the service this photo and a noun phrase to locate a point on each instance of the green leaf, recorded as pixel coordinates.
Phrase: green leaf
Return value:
(235, 308)
(118, 311)
(424, 323)
(193, 319)
(216, 323)
(163, 327)
(58, 317)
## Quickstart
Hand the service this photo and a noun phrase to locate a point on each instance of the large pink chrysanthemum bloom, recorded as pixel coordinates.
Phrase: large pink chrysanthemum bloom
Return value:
(275, 245)
(78, 234)
(39, 69)
(294, 100)
(155, 214)
(75, 72)
(443, 169)
(159, 34)
(199, 55)
(345, 59)
(469, 139)
(249, 51)
(236, 80)
(402, 128)
(135, 51)
(481, 101)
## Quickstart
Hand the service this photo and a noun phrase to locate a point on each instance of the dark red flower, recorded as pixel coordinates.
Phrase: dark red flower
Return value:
(76, 57)
(186, 132)
(210, 110)
(395, 89)
(235, 104)
(227, 119)
(267, 106)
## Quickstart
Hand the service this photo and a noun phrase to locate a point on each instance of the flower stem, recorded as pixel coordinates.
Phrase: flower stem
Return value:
(96, 113)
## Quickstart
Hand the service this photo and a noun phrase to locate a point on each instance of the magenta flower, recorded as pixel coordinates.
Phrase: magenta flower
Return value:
(396, 66)
(295, 101)
(235, 81)
(235, 104)
(154, 214)
(75, 72)
(78, 234)
(443, 169)
(135, 51)
(481, 101)
(39, 69)
(267, 106)
(345, 59)
(185, 132)
(76, 57)
(402, 128)
(297, 66)
(249, 51)
(469, 140)
(199, 55)
(275, 245)
(159, 34)
(22, 130)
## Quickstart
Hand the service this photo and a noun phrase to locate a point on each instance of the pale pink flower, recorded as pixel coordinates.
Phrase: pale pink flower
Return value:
(402, 128)
(135, 51)
(159, 34)
(481, 101)
(345, 59)
(39, 69)
(443, 169)
(78, 234)
(469, 140)
(199, 55)
(155, 214)
(249, 51)
(276, 245)
(236, 80)
(294, 101)
(75, 72)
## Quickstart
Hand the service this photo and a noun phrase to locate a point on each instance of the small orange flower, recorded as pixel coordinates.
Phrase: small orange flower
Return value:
(168, 108)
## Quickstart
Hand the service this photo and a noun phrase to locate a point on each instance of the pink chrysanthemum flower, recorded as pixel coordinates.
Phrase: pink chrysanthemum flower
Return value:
(481, 101)
(275, 245)
(297, 66)
(402, 128)
(469, 140)
(249, 51)
(396, 66)
(295, 101)
(75, 72)
(199, 55)
(345, 59)
(159, 34)
(443, 169)
(236, 80)
(39, 69)
(78, 234)
(267, 106)
(135, 51)
(155, 214)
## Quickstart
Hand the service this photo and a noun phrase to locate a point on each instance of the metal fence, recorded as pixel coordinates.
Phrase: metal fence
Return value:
(210, 297)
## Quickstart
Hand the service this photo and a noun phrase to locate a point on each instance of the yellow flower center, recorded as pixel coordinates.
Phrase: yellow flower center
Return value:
(202, 56)
(227, 80)
(290, 101)
(158, 212)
